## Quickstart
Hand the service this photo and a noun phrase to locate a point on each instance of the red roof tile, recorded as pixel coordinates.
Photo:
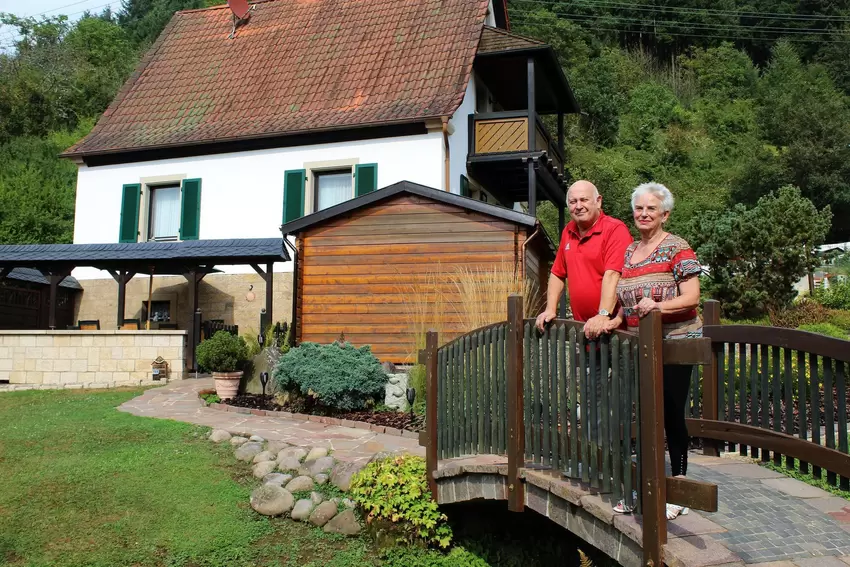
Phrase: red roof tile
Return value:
(294, 66)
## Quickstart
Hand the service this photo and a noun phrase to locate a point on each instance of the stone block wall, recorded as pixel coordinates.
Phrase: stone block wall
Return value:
(89, 359)
(229, 297)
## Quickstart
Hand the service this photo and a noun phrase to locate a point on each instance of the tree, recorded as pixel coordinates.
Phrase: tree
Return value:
(755, 255)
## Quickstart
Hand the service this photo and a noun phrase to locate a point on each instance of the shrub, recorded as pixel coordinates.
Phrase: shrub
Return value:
(338, 375)
(416, 380)
(827, 329)
(837, 296)
(222, 353)
(412, 557)
(803, 312)
(396, 490)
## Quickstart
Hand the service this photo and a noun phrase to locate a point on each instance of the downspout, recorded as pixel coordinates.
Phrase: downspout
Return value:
(445, 120)
(522, 253)
(292, 327)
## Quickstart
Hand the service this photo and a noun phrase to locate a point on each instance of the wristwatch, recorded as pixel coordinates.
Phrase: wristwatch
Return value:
(604, 313)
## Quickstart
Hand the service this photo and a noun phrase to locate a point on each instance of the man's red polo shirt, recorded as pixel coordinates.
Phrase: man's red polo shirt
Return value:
(583, 261)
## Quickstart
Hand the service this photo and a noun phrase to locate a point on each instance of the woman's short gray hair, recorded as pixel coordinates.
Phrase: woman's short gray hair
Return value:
(664, 195)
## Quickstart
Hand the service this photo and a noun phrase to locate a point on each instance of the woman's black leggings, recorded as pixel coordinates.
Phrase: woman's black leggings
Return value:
(677, 380)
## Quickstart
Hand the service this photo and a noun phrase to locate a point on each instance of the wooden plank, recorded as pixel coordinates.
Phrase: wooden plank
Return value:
(731, 373)
(742, 391)
(841, 388)
(574, 388)
(711, 376)
(440, 261)
(815, 343)
(754, 452)
(442, 420)
(563, 449)
(764, 357)
(516, 425)
(489, 396)
(405, 238)
(591, 408)
(541, 399)
(605, 404)
(787, 381)
(394, 217)
(397, 271)
(802, 392)
(379, 319)
(431, 410)
(391, 249)
(692, 493)
(651, 418)
(814, 379)
(822, 457)
(382, 229)
(615, 417)
(829, 412)
(777, 400)
(528, 397)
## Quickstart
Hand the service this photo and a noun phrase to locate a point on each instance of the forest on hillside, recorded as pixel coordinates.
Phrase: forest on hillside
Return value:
(727, 102)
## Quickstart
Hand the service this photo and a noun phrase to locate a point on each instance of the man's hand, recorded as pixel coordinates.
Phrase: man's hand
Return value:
(544, 318)
(595, 326)
(613, 324)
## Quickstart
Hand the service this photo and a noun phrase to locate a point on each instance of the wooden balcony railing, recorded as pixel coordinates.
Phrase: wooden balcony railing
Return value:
(507, 132)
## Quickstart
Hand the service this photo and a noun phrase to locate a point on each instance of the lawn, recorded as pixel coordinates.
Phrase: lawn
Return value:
(82, 484)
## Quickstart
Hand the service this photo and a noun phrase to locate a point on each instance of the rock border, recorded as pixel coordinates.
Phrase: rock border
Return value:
(308, 417)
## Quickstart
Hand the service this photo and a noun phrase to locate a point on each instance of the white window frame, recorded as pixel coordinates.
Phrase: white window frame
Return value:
(148, 184)
(327, 166)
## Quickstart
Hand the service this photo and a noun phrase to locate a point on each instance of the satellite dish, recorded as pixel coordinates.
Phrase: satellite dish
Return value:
(241, 9)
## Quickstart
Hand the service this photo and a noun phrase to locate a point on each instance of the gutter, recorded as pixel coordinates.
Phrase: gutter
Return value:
(447, 164)
(522, 251)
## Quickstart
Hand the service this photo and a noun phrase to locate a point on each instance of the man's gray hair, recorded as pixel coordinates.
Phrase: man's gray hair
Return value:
(660, 191)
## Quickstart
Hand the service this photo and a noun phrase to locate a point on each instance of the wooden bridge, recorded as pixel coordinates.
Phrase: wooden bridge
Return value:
(511, 411)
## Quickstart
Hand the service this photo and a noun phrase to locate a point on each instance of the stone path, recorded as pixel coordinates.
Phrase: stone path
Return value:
(765, 518)
(179, 401)
(770, 520)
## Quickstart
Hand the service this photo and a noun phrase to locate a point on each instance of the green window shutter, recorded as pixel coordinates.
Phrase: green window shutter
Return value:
(130, 200)
(190, 209)
(464, 186)
(365, 178)
(293, 194)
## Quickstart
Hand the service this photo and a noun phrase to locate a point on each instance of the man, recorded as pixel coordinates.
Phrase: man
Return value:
(590, 258)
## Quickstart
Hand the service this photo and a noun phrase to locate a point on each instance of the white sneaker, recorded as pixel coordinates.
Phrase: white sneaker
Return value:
(674, 511)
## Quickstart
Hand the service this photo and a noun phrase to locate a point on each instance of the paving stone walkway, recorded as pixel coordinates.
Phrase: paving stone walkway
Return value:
(765, 518)
(179, 401)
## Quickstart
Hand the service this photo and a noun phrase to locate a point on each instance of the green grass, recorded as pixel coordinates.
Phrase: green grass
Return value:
(807, 478)
(84, 484)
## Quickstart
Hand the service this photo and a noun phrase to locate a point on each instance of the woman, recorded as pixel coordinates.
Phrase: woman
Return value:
(660, 273)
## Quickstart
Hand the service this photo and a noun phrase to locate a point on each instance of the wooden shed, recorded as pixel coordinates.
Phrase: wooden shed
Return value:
(360, 265)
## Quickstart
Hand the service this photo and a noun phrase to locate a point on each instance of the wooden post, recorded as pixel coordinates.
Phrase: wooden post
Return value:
(710, 386)
(562, 304)
(653, 477)
(54, 287)
(431, 409)
(194, 278)
(532, 139)
(516, 419)
(269, 293)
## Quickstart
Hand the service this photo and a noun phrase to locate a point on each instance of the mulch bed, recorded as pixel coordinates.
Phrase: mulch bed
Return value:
(396, 419)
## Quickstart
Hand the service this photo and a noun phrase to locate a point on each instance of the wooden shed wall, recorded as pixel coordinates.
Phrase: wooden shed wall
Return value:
(358, 274)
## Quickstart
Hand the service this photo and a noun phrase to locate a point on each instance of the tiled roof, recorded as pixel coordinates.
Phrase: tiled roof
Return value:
(220, 251)
(495, 40)
(34, 276)
(294, 66)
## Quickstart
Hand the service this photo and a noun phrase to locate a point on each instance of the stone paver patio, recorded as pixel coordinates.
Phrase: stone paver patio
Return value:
(764, 518)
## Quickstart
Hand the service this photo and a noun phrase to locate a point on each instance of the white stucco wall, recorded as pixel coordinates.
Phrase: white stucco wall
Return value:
(459, 139)
(242, 193)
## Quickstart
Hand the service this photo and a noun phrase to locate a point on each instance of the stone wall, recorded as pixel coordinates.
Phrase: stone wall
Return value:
(88, 359)
(220, 296)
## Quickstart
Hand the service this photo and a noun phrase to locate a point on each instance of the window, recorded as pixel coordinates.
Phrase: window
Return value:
(333, 188)
(160, 311)
(164, 217)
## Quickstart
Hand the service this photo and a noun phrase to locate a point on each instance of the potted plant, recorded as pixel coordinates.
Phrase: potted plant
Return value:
(224, 355)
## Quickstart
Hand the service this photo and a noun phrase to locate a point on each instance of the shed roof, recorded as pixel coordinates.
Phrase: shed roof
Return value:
(293, 67)
(308, 221)
(34, 276)
(495, 40)
(115, 256)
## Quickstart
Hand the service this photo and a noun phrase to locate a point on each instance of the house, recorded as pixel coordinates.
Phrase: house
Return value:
(230, 128)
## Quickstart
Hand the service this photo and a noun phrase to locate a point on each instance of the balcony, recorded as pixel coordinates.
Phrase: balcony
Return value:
(507, 133)
(507, 159)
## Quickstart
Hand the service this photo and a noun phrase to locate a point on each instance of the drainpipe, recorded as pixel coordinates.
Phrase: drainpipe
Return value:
(294, 287)
(522, 253)
(445, 120)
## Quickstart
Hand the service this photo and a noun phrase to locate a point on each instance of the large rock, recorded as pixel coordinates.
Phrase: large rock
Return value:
(323, 513)
(264, 456)
(321, 478)
(271, 500)
(320, 465)
(276, 446)
(237, 441)
(289, 464)
(395, 392)
(300, 484)
(256, 439)
(248, 451)
(302, 510)
(316, 453)
(342, 473)
(264, 468)
(316, 497)
(277, 478)
(219, 435)
(343, 523)
(294, 452)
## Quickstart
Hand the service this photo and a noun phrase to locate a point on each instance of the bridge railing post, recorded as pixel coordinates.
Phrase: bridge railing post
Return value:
(431, 448)
(652, 474)
(710, 380)
(516, 419)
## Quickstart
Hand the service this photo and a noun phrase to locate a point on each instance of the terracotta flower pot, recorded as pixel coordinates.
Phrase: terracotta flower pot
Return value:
(227, 384)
